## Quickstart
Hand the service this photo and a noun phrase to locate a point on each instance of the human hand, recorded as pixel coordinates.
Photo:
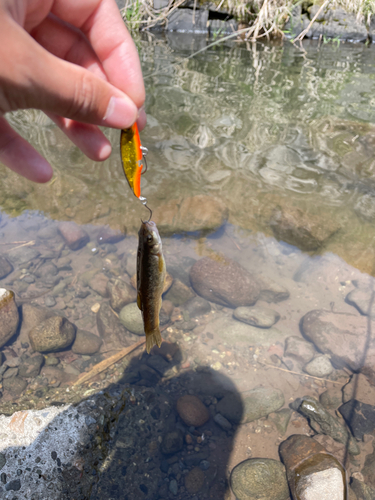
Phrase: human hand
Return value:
(74, 60)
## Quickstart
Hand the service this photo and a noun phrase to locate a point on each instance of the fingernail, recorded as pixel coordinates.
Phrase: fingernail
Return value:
(121, 113)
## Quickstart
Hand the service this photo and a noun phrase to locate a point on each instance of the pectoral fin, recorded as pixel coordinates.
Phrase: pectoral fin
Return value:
(139, 301)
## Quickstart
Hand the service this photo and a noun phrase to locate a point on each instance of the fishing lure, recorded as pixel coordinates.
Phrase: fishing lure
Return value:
(132, 154)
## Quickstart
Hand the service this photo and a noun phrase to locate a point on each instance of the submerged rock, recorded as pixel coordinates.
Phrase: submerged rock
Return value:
(343, 337)
(9, 317)
(5, 267)
(324, 423)
(120, 293)
(99, 284)
(320, 366)
(30, 368)
(15, 386)
(110, 327)
(86, 343)
(192, 411)
(172, 442)
(196, 213)
(196, 307)
(312, 472)
(258, 478)
(179, 293)
(74, 236)
(360, 417)
(109, 235)
(270, 291)
(361, 299)
(281, 419)
(131, 317)
(194, 480)
(299, 349)
(331, 398)
(53, 334)
(240, 408)
(224, 282)
(260, 317)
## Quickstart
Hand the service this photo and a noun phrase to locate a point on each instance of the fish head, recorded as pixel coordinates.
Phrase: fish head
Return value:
(149, 235)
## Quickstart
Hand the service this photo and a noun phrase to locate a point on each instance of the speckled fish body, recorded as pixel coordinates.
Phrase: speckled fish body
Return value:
(151, 272)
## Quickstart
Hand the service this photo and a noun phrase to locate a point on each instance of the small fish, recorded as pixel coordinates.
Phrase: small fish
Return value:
(131, 155)
(151, 273)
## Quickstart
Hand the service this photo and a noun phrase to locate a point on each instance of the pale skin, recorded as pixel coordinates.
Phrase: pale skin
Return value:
(74, 60)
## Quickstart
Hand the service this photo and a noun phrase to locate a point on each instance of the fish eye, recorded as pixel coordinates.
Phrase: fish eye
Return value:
(149, 238)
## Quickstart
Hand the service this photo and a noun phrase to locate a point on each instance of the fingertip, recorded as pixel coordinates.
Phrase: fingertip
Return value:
(41, 172)
(142, 119)
(104, 152)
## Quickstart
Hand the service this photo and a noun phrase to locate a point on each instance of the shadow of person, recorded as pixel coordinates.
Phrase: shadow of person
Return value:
(126, 441)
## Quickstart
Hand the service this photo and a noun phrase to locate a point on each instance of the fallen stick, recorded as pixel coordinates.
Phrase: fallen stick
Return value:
(106, 363)
(302, 374)
(27, 244)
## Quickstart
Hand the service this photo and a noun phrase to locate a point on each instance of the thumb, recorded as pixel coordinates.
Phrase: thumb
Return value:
(31, 77)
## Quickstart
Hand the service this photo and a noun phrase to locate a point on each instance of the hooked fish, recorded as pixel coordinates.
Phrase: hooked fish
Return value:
(151, 273)
(131, 156)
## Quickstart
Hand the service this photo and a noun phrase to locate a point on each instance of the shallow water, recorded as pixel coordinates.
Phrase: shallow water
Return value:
(284, 140)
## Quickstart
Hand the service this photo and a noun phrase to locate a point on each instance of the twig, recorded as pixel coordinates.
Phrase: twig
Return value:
(13, 243)
(194, 8)
(29, 243)
(106, 363)
(302, 374)
(301, 36)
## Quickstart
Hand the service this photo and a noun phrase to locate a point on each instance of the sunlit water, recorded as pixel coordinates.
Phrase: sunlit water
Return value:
(283, 140)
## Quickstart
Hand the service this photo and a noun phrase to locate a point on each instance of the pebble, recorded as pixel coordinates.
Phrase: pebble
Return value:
(299, 349)
(281, 419)
(179, 293)
(194, 480)
(31, 367)
(258, 478)
(320, 366)
(120, 293)
(173, 487)
(49, 301)
(86, 343)
(222, 422)
(331, 398)
(5, 267)
(192, 411)
(172, 442)
(260, 317)
(360, 417)
(74, 236)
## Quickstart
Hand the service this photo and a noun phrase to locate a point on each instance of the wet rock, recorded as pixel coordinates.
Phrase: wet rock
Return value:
(74, 236)
(240, 408)
(173, 487)
(192, 411)
(53, 334)
(196, 213)
(281, 419)
(63, 264)
(120, 293)
(343, 337)
(299, 349)
(99, 284)
(361, 299)
(258, 478)
(324, 423)
(304, 230)
(232, 331)
(49, 301)
(172, 442)
(222, 422)
(47, 233)
(110, 327)
(368, 471)
(362, 490)
(86, 343)
(158, 363)
(179, 293)
(108, 235)
(311, 471)
(224, 282)
(15, 385)
(31, 367)
(320, 366)
(331, 398)
(197, 306)
(194, 480)
(5, 267)
(270, 291)
(9, 317)
(165, 312)
(22, 255)
(360, 417)
(260, 317)
(33, 315)
(10, 372)
(46, 271)
(131, 318)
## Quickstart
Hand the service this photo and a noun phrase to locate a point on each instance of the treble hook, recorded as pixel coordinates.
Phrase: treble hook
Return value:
(149, 209)
(144, 154)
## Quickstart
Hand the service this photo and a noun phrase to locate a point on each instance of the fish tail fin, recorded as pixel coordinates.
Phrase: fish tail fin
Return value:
(152, 339)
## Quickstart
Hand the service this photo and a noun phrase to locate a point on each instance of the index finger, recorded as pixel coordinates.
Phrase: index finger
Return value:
(101, 22)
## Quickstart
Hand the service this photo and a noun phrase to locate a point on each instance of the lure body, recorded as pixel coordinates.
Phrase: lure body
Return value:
(131, 156)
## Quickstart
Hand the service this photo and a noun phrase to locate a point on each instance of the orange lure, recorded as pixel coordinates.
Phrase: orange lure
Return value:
(131, 155)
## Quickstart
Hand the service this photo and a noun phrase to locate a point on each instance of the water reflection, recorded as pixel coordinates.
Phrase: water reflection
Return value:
(261, 162)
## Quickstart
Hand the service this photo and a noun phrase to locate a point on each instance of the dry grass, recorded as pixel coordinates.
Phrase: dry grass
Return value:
(264, 18)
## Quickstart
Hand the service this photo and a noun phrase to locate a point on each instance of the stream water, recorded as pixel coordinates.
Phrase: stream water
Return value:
(261, 161)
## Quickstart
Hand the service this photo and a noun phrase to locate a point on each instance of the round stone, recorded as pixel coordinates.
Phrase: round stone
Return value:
(192, 411)
(194, 480)
(131, 317)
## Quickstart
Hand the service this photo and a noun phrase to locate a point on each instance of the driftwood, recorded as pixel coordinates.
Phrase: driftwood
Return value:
(106, 363)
